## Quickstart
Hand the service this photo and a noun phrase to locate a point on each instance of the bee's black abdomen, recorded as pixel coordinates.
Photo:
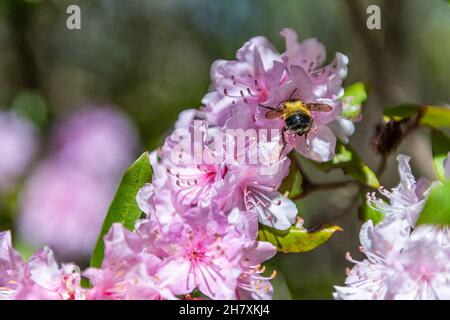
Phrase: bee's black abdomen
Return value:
(298, 123)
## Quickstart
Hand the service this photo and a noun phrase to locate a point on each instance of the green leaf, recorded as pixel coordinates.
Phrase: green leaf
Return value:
(347, 159)
(31, 105)
(365, 212)
(354, 96)
(436, 117)
(297, 239)
(437, 206)
(402, 111)
(25, 249)
(433, 116)
(124, 208)
(292, 184)
(441, 147)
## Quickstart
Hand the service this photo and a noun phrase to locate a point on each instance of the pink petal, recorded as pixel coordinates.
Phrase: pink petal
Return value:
(309, 54)
(320, 145)
(177, 274)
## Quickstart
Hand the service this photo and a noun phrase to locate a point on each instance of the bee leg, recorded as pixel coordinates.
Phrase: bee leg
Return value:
(306, 141)
(315, 129)
(283, 132)
(267, 107)
(292, 94)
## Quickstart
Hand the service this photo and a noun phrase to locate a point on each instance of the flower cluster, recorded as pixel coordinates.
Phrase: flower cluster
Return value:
(209, 193)
(67, 195)
(260, 76)
(404, 261)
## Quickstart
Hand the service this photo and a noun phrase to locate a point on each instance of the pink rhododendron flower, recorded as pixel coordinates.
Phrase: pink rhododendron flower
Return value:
(415, 266)
(253, 187)
(192, 182)
(403, 261)
(204, 251)
(59, 283)
(262, 76)
(252, 284)
(407, 199)
(218, 258)
(18, 144)
(243, 83)
(246, 188)
(15, 278)
(423, 270)
(382, 245)
(156, 199)
(223, 181)
(126, 273)
(41, 278)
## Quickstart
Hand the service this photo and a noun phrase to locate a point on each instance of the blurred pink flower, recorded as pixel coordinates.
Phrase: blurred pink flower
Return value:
(63, 208)
(67, 196)
(99, 141)
(18, 144)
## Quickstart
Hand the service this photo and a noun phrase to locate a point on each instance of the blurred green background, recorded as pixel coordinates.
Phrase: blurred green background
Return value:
(152, 58)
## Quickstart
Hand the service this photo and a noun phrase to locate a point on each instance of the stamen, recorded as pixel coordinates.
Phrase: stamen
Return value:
(348, 257)
(347, 271)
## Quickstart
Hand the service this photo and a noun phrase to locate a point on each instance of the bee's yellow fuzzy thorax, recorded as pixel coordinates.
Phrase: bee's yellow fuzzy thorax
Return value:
(294, 106)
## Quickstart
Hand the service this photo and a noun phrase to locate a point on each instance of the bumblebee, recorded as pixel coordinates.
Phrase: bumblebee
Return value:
(296, 115)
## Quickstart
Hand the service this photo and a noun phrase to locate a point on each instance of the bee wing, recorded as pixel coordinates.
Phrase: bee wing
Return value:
(272, 114)
(319, 107)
